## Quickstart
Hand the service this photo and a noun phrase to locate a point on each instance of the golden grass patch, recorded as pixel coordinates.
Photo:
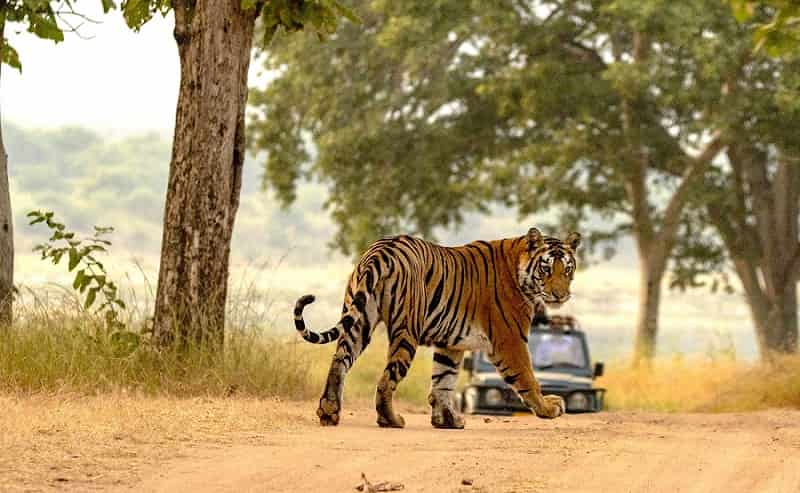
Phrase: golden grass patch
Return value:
(703, 385)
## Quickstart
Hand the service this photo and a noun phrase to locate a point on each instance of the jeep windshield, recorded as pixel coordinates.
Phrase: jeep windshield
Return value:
(553, 350)
(549, 350)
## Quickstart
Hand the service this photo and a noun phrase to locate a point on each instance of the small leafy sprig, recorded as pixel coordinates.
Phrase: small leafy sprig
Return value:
(91, 278)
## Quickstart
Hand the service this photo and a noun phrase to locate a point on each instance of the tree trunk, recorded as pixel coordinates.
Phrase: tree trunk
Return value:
(6, 230)
(776, 326)
(650, 276)
(765, 266)
(775, 320)
(6, 242)
(214, 42)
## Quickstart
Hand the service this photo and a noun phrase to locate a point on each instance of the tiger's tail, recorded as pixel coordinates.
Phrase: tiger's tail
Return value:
(332, 334)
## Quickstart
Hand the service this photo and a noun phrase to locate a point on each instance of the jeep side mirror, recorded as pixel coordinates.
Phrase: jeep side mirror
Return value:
(598, 369)
(468, 363)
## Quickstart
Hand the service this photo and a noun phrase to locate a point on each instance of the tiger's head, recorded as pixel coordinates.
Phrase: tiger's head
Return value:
(546, 267)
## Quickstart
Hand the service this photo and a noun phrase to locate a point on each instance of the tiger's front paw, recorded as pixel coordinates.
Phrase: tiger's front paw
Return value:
(554, 406)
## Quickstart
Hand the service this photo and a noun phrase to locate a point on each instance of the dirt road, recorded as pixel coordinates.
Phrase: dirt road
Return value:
(609, 452)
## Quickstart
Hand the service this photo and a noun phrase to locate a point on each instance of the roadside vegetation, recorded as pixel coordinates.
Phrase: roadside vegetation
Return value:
(56, 347)
(703, 384)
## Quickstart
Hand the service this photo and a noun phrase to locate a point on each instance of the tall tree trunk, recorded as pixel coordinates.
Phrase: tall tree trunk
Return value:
(214, 42)
(6, 228)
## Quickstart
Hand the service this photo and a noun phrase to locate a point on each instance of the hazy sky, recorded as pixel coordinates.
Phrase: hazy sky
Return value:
(118, 80)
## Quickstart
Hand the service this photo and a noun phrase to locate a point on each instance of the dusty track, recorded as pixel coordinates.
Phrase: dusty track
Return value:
(610, 452)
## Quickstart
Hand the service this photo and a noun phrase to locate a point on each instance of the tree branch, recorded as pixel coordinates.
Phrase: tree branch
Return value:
(583, 52)
(636, 190)
(672, 215)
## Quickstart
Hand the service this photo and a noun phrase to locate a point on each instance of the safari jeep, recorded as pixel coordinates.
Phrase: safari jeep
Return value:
(561, 363)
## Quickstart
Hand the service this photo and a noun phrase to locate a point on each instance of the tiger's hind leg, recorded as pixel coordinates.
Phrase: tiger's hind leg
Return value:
(446, 363)
(351, 344)
(401, 353)
(331, 401)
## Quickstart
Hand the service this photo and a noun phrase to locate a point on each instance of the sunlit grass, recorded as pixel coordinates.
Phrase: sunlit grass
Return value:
(702, 384)
(55, 346)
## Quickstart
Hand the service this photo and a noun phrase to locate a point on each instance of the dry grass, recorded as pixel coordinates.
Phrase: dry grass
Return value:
(703, 385)
(57, 347)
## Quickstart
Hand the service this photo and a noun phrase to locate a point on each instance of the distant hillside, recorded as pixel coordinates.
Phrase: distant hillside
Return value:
(89, 180)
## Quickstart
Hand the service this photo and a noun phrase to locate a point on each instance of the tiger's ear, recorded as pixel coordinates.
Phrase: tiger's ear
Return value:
(535, 239)
(573, 240)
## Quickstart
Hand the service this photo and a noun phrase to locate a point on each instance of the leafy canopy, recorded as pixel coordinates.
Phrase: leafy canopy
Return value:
(435, 108)
(778, 34)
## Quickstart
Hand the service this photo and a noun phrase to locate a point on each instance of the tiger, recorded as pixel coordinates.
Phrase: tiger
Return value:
(481, 296)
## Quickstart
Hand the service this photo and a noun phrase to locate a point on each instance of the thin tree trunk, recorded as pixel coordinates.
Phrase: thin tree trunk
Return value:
(6, 242)
(6, 229)
(214, 42)
(650, 276)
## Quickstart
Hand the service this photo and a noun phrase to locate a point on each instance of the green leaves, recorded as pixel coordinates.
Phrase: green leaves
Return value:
(90, 297)
(92, 275)
(108, 5)
(73, 259)
(41, 18)
(775, 23)
(44, 25)
(743, 10)
(319, 16)
(9, 56)
(136, 13)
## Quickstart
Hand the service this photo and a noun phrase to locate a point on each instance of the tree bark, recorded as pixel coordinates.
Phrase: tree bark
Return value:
(214, 40)
(6, 242)
(650, 275)
(6, 230)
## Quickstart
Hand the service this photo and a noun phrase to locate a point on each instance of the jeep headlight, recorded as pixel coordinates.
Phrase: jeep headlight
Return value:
(578, 401)
(493, 397)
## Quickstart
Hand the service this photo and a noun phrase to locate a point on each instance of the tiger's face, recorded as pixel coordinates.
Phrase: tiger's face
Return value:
(547, 266)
